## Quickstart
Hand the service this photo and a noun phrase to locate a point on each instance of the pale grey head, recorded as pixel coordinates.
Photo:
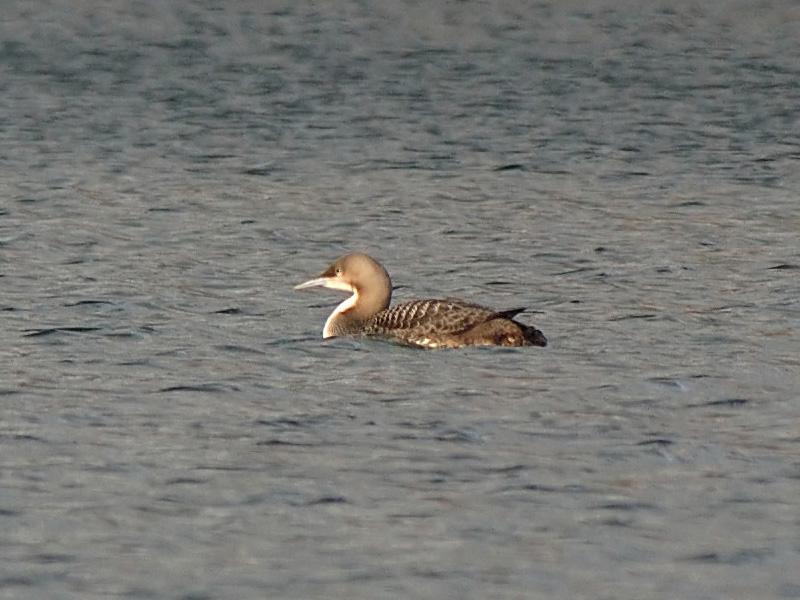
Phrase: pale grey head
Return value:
(369, 284)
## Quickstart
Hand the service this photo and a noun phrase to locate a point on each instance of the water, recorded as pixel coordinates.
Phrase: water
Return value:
(173, 427)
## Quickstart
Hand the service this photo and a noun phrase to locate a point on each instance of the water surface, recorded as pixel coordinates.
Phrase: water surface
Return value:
(173, 427)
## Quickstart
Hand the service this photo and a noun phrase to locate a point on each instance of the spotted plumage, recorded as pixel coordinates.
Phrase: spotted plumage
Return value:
(430, 323)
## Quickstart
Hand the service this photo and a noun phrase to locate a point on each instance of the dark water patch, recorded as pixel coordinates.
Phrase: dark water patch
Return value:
(212, 388)
(227, 468)
(424, 426)
(724, 403)
(197, 596)
(625, 175)
(227, 311)
(656, 442)
(80, 260)
(278, 442)
(459, 436)
(740, 557)
(239, 349)
(164, 209)
(18, 581)
(627, 506)
(511, 469)
(212, 157)
(185, 481)
(551, 171)
(571, 489)
(328, 500)
(498, 283)
(729, 402)
(618, 521)
(634, 316)
(289, 423)
(511, 167)
(766, 181)
(172, 499)
(262, 171)
(577, 271)
(89, 303)
(391, 400)
(139, 362)
(330, 304)
(26, 437)
(52, 558)
(54, 330)
(668, 382)
(754, 500)
(140, 592)
(532, 487)
(462, 234)
(109, 466)
(284, 341)
(784, 267)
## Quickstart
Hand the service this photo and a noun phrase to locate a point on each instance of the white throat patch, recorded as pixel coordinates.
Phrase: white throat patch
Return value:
(343, 307)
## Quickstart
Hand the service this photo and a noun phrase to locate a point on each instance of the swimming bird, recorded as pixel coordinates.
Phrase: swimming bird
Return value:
(433, 323)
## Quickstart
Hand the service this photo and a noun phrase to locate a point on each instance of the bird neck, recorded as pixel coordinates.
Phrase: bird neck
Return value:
(351, 314)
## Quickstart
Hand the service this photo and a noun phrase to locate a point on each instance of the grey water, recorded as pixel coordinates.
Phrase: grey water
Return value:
(171, 423)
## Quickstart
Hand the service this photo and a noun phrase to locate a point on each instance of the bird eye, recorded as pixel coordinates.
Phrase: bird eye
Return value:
(338, 271)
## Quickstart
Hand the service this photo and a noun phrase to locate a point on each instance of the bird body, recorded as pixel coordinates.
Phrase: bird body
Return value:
(431, 323)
